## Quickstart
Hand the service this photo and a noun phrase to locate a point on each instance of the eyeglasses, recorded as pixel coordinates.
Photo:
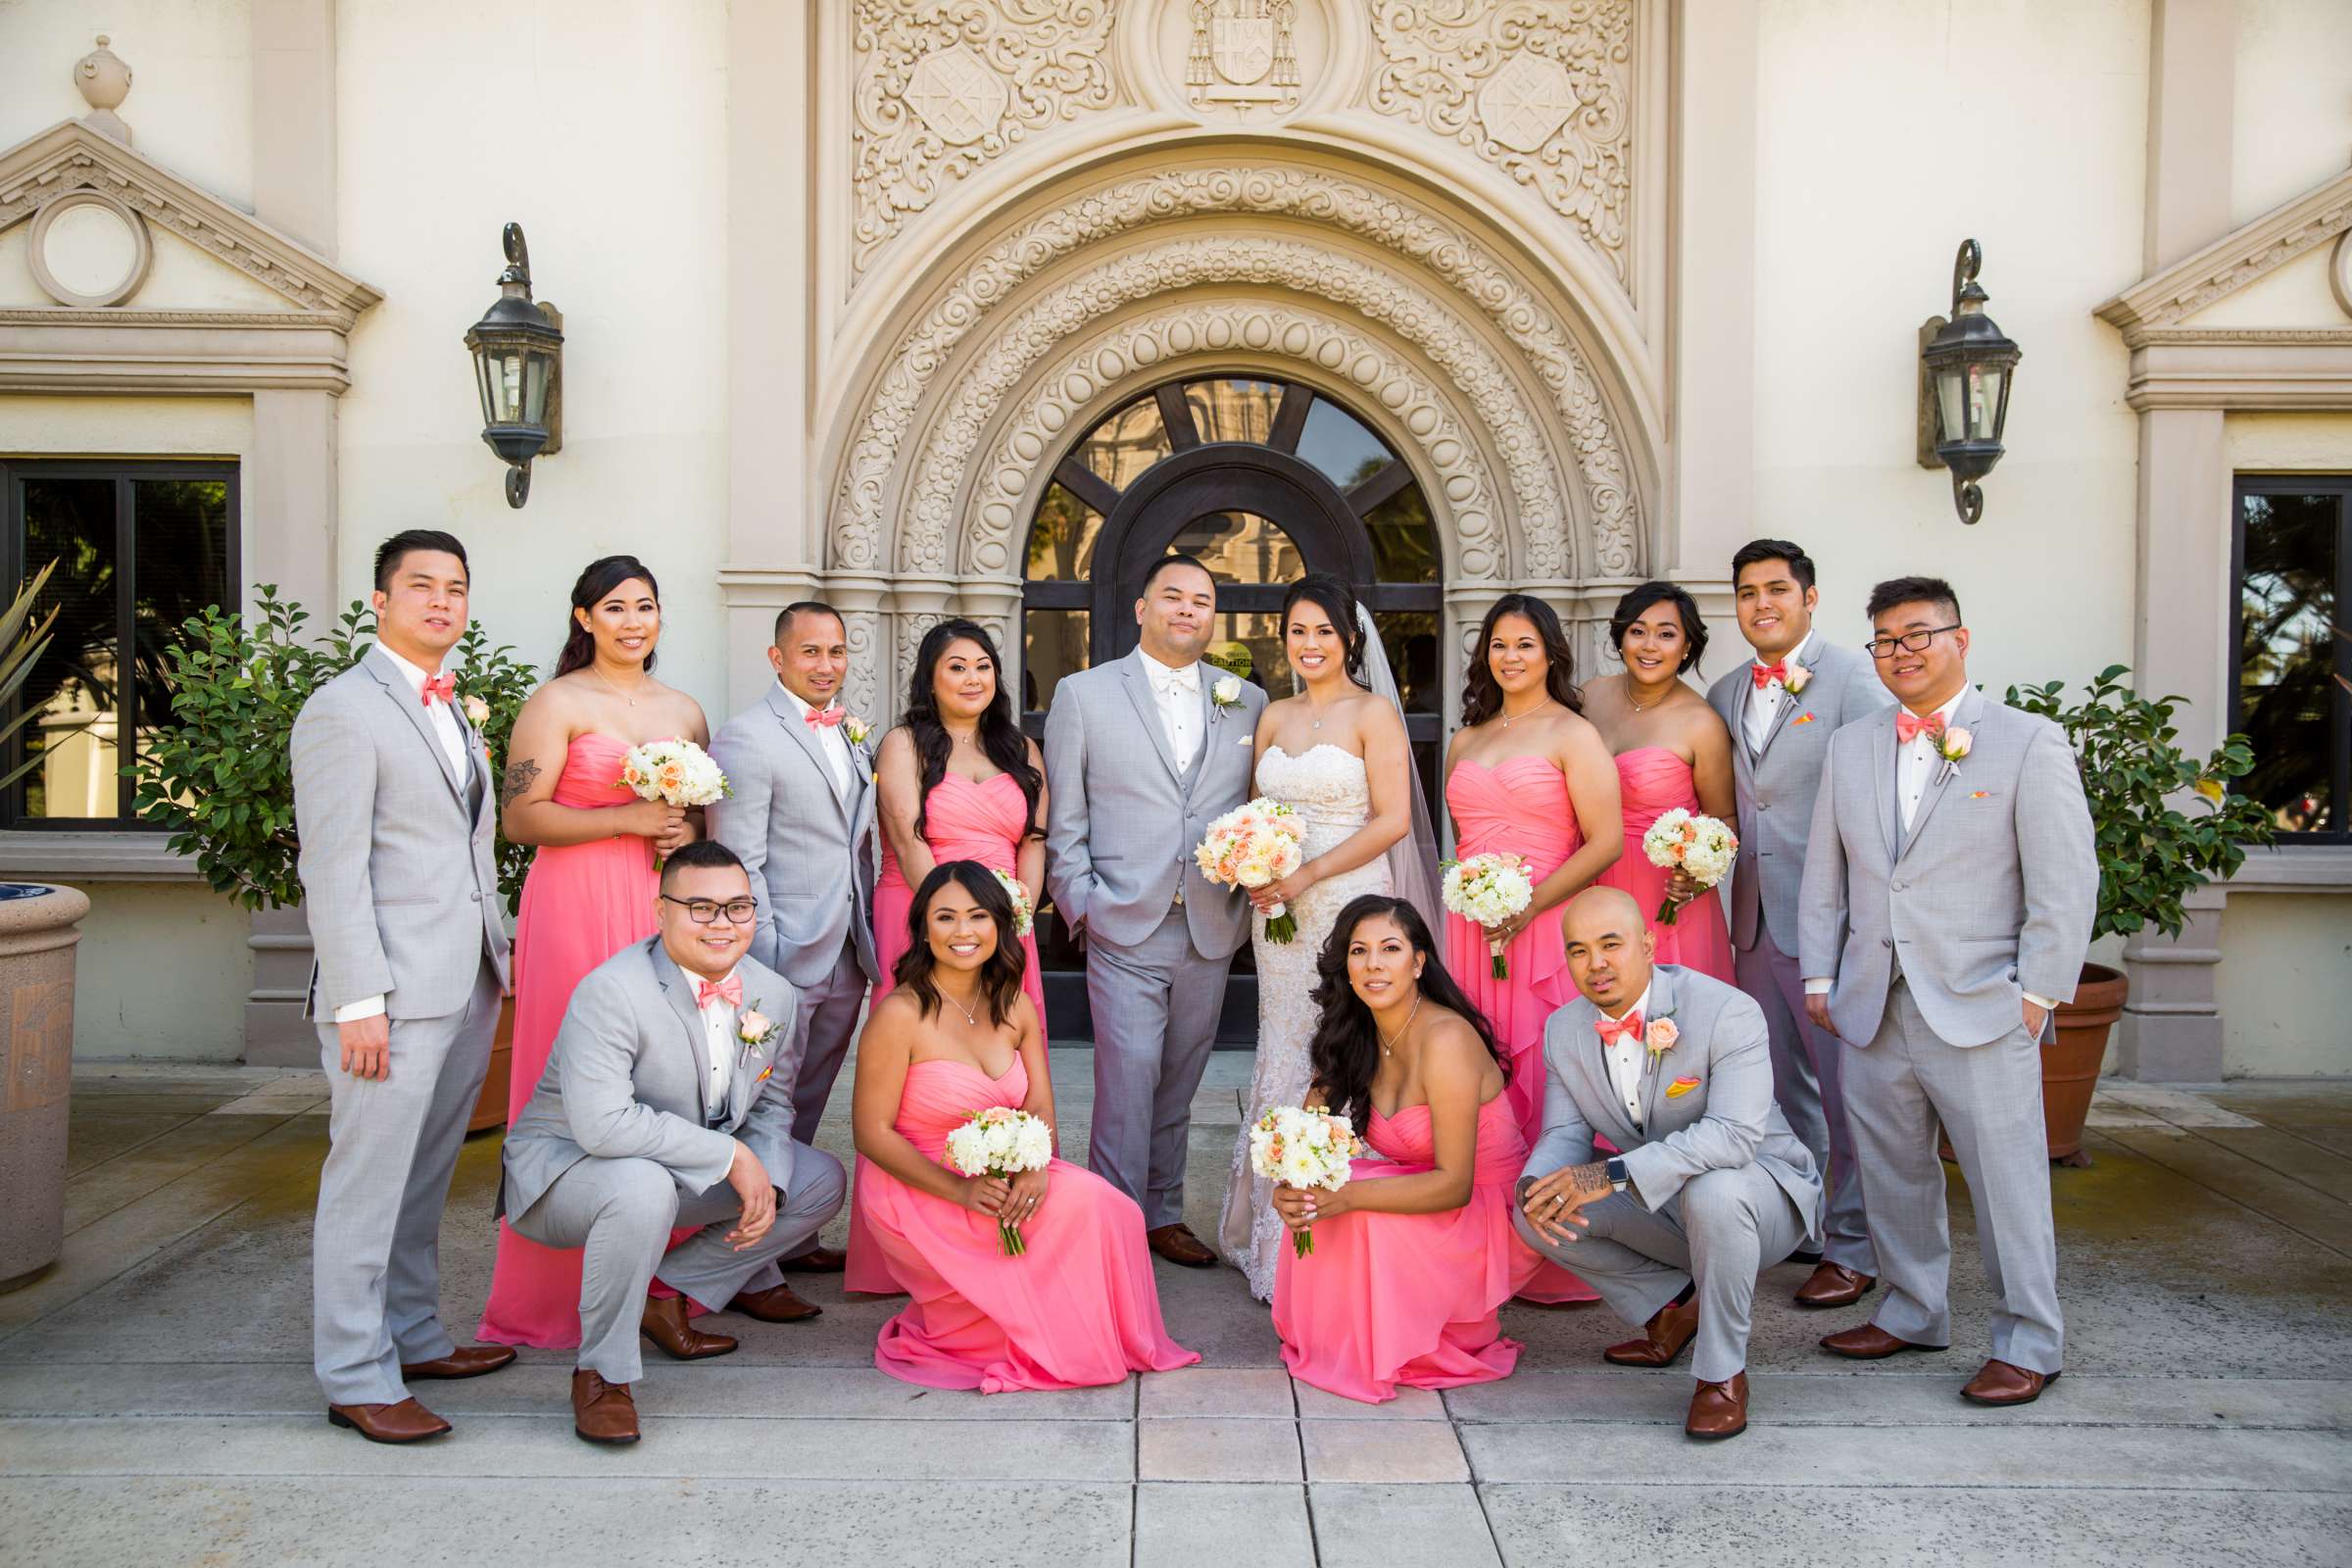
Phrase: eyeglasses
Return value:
(701, 911)
(1910, 641)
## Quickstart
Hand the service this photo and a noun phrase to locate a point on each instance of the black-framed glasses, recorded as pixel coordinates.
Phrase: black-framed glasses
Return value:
(1910, 641)
(701, 911)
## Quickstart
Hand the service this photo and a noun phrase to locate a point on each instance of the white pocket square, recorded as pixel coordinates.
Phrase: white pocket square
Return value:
(1244, 741)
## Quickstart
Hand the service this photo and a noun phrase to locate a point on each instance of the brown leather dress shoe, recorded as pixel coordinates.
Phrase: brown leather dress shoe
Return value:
(1178, 1245)
(1834, 1284)
(601, 1411)
(666, 1324)
(405, 1421)
(1719, 1410)
(817, 1260)
(2000, 1383)
(1670, 1330)
(775, 1305)
(1869, 1343)
(465, 1361)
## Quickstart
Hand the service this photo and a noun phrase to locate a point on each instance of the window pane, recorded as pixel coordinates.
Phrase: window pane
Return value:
(1409, 637)
(72, 689)
(1061, 540)
(1341, 446)
(1127, 443)
(1248, 643)
(1404, 549)
(2286, 603)
(1053, 644)
(1241, 547)
(179, 539)
(1234, 410)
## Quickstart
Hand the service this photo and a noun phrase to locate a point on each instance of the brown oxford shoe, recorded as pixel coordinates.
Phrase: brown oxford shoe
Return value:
(666, 1324)
(601, 1411)
(1834, 1284)
(1719, 1410)
(1178, 1245)
(465, 1361)
(405, 1421)
(1670, 1330)
(1869, 1343)
(775, 1305)
(816, 1260)
(1998, 1383)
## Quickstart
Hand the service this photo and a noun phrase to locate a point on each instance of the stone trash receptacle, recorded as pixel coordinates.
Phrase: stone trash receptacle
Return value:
(38, 930)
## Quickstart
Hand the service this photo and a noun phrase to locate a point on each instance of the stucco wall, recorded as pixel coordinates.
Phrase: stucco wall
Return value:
(2282, 987)
(163, 970)
(2292, 125)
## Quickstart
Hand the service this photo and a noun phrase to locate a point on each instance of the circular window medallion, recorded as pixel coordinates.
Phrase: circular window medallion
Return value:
(89, 250)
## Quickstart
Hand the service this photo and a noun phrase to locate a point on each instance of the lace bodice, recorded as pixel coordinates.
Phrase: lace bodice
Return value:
(1325, 784)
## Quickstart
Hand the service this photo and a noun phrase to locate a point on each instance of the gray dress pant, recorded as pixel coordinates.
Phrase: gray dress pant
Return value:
(821, 1033)
(621, 1213)
(375, 1245)
(1807, 1079)
(1154, 1007)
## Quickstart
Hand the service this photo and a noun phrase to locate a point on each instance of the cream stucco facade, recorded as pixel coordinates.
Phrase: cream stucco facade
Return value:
(1623, 282)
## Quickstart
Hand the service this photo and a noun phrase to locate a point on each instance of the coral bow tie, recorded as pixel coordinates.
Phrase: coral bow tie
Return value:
(1613, 1030)
(1766, 675)
(1908, 728)
(825, 718)
(440, 689)
(728, 991)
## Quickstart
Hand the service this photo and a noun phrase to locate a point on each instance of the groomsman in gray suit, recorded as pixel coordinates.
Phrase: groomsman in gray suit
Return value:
(1782, 707)
(1143, 753)
(399, 887)
(666, 1102)
(1948, 902)
(802, 820)
(1709, 1185)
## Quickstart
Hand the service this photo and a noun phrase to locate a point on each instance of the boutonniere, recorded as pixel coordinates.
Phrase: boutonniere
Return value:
(856, 730)
(754, 1029)
(1952, 745)
(477, 711)
(1660, 1038)
(1226, 692)
(1796, 679)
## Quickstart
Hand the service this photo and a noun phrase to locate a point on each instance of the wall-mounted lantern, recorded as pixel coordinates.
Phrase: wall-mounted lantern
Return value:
(517, 349)
(1964, 376)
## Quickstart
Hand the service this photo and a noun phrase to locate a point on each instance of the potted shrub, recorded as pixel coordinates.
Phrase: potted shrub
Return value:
(2163, 823)
(221, 775)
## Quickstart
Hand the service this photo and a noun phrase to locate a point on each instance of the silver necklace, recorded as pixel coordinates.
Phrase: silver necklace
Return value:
(971, 1014)
(1508, 715)
(614, 690)
(1388, 1047)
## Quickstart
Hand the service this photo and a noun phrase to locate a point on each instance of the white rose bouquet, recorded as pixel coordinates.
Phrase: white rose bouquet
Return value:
(1251, 845)
(673, 772)
(1701, 848)
(1304, 1147)
(1002, 1141)
(1488, 889)
(1024, 915)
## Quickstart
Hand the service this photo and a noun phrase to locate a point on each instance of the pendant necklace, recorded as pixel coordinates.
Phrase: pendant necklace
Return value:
(971, 1014)
(1388, 1047)
(614, 690)
(1508, 715)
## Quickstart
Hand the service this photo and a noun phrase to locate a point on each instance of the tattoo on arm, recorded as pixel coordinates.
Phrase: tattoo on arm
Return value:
(521, 774)
(1590, 1181)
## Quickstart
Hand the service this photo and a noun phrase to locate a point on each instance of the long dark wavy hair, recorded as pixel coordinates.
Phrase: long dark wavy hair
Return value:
(1001, 738)
(1636, 604)
(1345, 1049)
(1000, 976)
(599, 578)
(1338, 600)
(1482, 694)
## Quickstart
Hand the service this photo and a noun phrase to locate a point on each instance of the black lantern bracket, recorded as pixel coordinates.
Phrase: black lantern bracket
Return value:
(1966, 371)
(518, 350)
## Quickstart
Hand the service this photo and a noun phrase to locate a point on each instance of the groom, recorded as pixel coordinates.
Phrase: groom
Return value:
(1143, 753)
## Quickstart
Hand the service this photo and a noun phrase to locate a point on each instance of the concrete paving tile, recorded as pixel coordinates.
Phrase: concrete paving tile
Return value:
(186, 1144)
(1404, 1527)
(1209, 1310)
(2279, 1198)
(1381, 1452)
(2181, 1107)
(1254, 1392)
(2323, 1170)
(94, 1137)
(1216, 1449)
(1185, 1526)
(1410, 1404)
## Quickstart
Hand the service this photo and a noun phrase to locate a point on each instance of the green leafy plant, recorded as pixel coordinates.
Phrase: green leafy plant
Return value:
(2152, 852)
(20, 646)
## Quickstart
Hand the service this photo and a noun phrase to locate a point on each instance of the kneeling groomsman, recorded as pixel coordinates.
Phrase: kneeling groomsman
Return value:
(660, 1106)
(1711, 1188)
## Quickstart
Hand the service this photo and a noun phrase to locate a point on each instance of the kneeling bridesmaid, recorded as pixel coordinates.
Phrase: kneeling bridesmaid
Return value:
(957, 1035)
(1414, 1257)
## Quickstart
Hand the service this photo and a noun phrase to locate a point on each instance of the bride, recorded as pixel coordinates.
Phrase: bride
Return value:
(1334, 753)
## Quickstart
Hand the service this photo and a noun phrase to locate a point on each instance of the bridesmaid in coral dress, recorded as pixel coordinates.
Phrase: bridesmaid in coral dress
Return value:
(1527, 776)
(591, 887)
(1671, 750)
(1413, 1257)
(1080, 1306)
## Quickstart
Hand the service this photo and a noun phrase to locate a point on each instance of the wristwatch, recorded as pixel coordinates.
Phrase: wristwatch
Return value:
(1619, 1181)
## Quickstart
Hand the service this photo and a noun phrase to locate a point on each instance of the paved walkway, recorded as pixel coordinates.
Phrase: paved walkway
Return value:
(156, 1404)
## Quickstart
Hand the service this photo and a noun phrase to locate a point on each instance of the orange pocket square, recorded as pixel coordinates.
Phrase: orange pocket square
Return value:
(1681, 1087)
(1801, 718)
(1980, 795)
(763, 1075)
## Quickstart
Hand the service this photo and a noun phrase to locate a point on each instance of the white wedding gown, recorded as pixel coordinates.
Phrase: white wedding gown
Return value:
(1330, 789)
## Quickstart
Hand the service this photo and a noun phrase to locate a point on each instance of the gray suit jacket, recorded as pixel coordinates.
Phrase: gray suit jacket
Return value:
(399, 863)
(1123, 822)
(810, 850)
(1725, 1120)
(1989, 895)
(1777, 787)
(627, 1074)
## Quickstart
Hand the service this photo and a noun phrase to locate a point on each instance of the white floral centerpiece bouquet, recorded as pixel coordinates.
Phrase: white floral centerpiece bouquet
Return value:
(1701, 848)
(1024, 914)
(675, 773)
(1304, 1146)
(1255, 844)
(1488, 889)
(1001, 1141)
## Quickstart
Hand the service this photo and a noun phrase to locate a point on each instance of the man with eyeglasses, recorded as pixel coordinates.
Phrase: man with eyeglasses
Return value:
(1946, 908)
(662, 1106)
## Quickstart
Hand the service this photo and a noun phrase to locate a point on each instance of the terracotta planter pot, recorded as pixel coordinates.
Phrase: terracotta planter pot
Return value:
(490, 1110)
(2070, 1057)
(38, 932)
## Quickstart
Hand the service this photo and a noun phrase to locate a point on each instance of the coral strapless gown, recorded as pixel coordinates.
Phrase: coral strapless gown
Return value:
(1079, 1308)
(1519, 807)
(1389, 1300)
(1653, 781)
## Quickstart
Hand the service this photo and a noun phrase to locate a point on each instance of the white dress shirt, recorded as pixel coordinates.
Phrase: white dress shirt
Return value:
(1177, 692)
(1764, 701)
(1625, 1061)
(831, 744)
(718, 1035)
(1917, 764)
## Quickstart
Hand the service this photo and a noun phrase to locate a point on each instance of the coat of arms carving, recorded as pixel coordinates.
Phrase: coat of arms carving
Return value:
(1241, 54)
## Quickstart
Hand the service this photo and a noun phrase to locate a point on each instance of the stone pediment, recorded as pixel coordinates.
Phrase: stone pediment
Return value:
(2160, 309)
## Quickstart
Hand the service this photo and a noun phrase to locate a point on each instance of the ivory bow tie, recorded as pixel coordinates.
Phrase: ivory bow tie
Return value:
(825, 718)
(440, 689)
(1613, 1030)
(1908, 728)
(728, 991)
(1766, 675)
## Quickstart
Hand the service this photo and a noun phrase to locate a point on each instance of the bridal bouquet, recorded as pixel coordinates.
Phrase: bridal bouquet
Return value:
(1251, 845)
(1002, 1141)
(1304, 1147)
(673, 772)
(1701, 848)
(1024, 915)
(1488, 890)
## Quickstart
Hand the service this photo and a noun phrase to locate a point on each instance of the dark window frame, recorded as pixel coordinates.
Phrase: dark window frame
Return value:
(124, 473)
(2339, 721)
